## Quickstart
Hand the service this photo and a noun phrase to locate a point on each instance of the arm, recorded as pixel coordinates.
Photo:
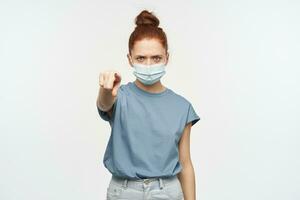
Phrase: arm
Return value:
(109, 83)
(187, 175)
(105, 101)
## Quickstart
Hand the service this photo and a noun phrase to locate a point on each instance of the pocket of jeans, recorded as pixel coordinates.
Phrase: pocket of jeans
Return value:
(174, 190)
(113, 191)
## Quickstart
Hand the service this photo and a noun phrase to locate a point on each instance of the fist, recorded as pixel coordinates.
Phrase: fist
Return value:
(110, 81)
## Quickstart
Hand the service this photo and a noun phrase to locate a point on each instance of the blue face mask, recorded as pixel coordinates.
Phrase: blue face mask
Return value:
(149, 74)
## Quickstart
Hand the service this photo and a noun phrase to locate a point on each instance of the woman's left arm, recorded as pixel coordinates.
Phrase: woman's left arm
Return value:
(187, 174)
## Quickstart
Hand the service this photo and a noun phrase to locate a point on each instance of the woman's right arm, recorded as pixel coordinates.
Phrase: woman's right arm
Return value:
(109, 84)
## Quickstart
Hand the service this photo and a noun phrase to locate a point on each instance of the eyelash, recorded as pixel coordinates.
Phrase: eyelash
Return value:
(156, 58)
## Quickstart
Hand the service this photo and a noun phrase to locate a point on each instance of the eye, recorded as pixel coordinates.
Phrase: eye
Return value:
(140, 58)
(157, 59)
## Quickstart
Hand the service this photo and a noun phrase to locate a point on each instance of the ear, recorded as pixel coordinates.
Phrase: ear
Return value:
(129, 60)
(167, 58)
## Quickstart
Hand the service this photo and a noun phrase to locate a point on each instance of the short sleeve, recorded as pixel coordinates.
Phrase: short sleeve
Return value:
(104, 114)
(192, 115)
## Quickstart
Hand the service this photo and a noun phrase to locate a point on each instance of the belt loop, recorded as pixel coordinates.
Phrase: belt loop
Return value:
(125, 182)
(161, 184)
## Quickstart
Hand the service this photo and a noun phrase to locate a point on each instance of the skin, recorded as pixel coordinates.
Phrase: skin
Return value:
(150, 51)
(187, 175)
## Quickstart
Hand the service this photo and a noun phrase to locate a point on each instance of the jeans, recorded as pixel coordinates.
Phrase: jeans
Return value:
(144, 189)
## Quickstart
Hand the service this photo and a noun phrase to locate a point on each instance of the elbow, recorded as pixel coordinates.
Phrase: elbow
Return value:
(186, 163)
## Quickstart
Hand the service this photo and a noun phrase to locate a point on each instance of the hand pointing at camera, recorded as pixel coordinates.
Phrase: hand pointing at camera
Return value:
(109, 82)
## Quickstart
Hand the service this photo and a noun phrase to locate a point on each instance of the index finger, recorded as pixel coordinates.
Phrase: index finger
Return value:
(117, 76)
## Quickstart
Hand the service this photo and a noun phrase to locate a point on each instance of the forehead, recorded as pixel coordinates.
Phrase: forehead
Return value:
(148, 47)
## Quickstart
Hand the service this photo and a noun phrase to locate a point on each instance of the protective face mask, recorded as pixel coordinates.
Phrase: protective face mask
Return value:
(149, 74)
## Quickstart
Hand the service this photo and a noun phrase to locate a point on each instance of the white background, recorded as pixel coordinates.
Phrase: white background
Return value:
(237, 62)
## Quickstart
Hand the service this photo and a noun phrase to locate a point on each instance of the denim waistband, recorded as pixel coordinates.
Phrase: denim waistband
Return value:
(140, 184)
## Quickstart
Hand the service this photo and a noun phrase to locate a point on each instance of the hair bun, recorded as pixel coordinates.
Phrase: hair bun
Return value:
(146, 18)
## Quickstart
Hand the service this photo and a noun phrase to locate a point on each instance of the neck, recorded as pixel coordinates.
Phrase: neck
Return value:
(154, 88)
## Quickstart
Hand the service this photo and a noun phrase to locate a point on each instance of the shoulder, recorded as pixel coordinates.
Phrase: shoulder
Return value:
(124, 90)
(179, 98)
(123, 87)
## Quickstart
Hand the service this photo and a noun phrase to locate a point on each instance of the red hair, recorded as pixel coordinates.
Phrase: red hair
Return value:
(147, 27)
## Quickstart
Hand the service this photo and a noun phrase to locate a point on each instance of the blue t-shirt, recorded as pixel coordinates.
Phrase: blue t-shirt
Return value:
(145, 131)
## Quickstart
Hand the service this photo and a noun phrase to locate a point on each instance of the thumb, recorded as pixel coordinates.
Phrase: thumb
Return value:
(117, 83)
(115, 89)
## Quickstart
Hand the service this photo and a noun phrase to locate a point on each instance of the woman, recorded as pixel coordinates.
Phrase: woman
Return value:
(148, 151)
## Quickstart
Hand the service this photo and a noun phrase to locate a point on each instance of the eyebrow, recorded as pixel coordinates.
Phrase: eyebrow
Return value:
(151, 56)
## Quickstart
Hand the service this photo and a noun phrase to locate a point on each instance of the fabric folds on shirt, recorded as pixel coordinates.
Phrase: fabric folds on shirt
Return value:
(145, 131)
